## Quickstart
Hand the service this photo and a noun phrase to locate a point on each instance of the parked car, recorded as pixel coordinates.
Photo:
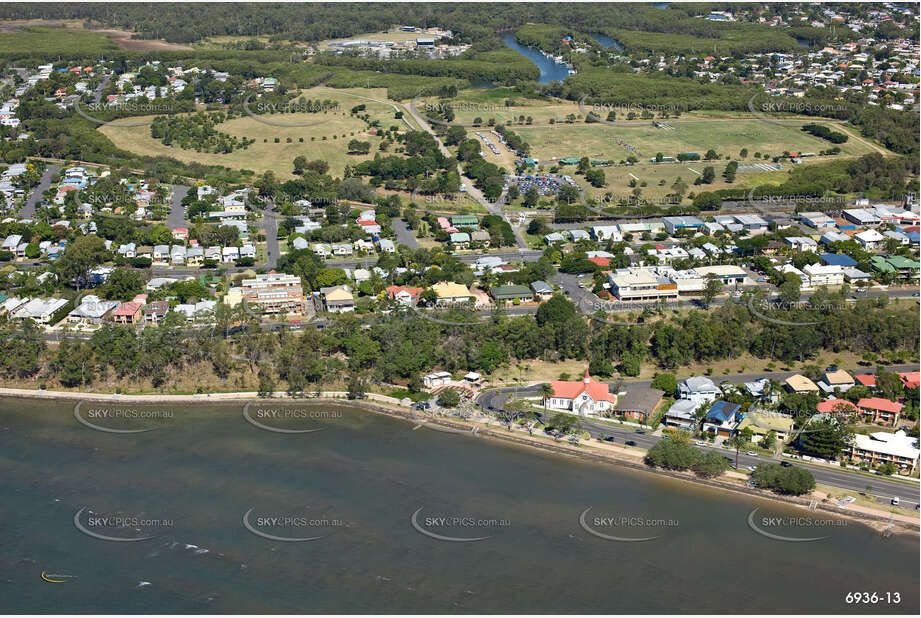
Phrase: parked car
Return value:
(630, 443)
(786, 464)
(699, 443)
(640, 431)
(752, 454)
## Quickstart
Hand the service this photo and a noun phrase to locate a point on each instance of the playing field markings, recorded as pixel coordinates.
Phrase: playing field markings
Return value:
(632, 176)
(695, 171)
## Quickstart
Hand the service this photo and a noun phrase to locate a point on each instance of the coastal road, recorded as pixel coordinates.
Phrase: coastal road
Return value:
(848, 480)
(28, 209)
(176, 217)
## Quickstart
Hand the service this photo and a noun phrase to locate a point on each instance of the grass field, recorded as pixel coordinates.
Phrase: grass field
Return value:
(569, 136)
(267, 155)
(44, 40)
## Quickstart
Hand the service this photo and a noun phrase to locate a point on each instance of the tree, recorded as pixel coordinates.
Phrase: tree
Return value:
(794, 480)
(672, 455)
(555, 311)
(711, 289)
(710, 464)
(448, 398)
(737, 441)
(825, 438)
(266, 382)
(789, 290)
(122, 283)
(82, 255)
(666, 382)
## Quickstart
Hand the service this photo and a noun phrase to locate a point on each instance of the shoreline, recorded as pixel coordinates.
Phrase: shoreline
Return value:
(389, 406)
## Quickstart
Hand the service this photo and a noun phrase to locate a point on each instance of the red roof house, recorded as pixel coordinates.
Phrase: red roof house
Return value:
(911, 379)
(583, 397)
(880, 410)
(866, 379)
(834, 406)
(600, 261)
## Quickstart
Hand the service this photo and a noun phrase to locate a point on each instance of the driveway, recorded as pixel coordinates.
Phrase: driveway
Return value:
(176, 217)
(28, 209)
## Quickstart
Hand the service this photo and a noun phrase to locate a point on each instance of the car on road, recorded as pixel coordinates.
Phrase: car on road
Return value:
(786, 464)
(699, 443)
(895, 501)
(610, 438)
(750, 468)
(640, 431)
(630, 443)
(916, 294)
(752, 454)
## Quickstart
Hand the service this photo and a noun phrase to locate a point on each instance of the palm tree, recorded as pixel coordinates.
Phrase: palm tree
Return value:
(737, 442)
(545, 391)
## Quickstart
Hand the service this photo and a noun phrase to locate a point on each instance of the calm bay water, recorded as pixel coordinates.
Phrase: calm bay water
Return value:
(362, 477)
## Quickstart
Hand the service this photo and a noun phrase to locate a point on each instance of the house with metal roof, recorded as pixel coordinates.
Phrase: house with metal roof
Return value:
(722, 418)
(511, 293)
(699, 389)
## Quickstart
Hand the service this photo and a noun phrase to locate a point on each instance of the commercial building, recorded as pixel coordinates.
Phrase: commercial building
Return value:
(641, 284)
(896, 448)
(274, 293)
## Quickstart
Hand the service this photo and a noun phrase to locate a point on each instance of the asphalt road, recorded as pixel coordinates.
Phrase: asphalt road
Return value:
(270, 225)
(176, 217)
(848, 480)
(28, 209)
(404, 235)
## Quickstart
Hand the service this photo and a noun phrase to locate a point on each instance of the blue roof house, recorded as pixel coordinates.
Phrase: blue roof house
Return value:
(722, 418)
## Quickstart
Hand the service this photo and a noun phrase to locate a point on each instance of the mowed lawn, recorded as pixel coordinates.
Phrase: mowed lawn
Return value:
(337, 126)
(726, 137)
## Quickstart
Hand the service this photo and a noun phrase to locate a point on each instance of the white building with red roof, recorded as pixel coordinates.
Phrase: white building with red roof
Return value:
(585, 397)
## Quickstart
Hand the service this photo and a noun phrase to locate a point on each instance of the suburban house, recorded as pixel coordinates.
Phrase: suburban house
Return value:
(127, 313)
(762, 423)
(480, 236)
(585, 397)
(699, 389)
(682, 414)
(542, 290)
(801, 384)
(638, 403)
(155, 311)
(449, 292)
(869, 239)
(896, 448)
(460, 240)
(511, 293)
(841, 407)
(722, 418)
(820, 274)
(91, 311)
(408, 296)
(160, 253)
(39, 309)
(879, 410)
(837, 379)
(337, 299)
